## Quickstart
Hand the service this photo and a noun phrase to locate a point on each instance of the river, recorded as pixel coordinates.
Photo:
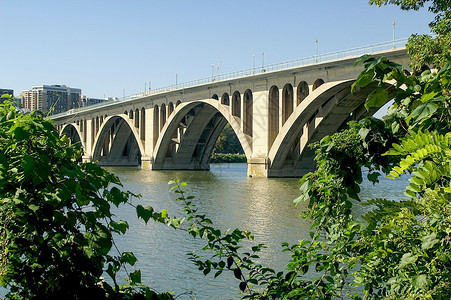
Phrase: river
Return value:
(231, 200)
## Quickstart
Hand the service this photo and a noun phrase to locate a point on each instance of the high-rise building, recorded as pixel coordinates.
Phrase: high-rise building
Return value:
(51, 98)
(86, 101)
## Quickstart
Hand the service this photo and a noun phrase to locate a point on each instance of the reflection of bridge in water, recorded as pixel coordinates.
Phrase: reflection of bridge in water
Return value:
(274, 113)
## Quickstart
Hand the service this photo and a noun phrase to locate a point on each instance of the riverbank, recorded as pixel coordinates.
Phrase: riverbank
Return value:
(228, 158)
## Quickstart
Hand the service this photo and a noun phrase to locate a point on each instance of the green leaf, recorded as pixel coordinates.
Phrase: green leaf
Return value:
(144, 213)
(423, 111)
(363, 132)
(229, 262)
(377, 98)
(427, 97)
(421, 281)
(373, 177)
(28, 165)
(407, 259)
(33, 207)
(237, 273)
(118, 196)
(363, 80)
(361, 59)
(135, 277)
(429, 241)
(243, 286)
(120, 226)
(330, 279)
(128, 257)
(21, 134)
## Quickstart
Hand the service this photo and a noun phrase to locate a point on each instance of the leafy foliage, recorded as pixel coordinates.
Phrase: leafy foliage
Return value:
(228, 142)
(227, 158)
(56, 226)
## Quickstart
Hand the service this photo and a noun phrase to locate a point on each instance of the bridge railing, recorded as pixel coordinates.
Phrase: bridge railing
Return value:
(254, 71)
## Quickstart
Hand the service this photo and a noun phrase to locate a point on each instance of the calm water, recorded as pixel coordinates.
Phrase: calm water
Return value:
(231, 200)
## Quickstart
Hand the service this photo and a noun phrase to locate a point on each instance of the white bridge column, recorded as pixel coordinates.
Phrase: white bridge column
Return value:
(146, 158)
(257, 164)
(87, 156)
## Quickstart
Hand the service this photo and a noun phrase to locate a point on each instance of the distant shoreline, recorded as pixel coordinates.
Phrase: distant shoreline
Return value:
(228, 158)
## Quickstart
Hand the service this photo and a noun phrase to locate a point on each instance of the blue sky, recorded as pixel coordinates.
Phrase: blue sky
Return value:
(106, 47)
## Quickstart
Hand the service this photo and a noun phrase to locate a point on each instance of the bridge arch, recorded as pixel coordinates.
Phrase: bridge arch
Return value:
(225, 99)
(97, 124)
(142, 128)
(137, 118)
(162, 115)
(318, 82)
(273, 114)
(187, 139)
(236, 104)
(302, 92)
(117, 143)
(287, 102)
(156, 126)
(72, 131)
(248, 112)
(170, 108)
(321, 113)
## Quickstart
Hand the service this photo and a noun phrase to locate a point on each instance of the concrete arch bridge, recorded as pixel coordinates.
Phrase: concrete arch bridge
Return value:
(275, 115)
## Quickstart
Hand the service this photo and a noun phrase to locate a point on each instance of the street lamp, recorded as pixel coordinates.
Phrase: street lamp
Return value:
(316, 51)
(393, 35)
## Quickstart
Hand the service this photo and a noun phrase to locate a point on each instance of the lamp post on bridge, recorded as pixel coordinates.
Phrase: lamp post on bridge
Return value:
(253, 64)
(394, 35)
(316, 51)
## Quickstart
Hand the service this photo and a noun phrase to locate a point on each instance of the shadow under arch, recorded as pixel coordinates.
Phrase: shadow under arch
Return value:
(187, 139)
(73, 133)
(117, 143)
(321, 113)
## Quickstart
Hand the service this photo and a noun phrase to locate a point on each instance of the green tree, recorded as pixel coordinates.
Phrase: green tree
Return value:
(56, 226)
(228, 142)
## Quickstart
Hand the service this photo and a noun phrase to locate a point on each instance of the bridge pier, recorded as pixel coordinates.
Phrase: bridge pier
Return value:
(146, 163)
(257, 167)
(86, 158)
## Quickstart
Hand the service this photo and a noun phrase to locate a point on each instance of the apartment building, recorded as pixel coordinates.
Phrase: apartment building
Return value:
(51, 98)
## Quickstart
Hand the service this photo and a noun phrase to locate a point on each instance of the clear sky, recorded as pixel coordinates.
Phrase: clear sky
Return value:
(106, 46)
